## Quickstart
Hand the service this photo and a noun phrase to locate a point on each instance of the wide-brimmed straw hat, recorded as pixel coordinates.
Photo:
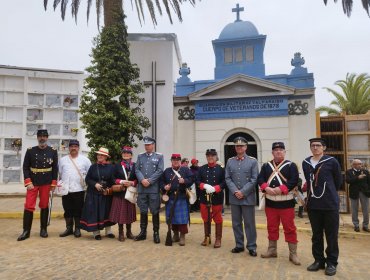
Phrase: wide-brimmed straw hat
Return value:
(103, 151)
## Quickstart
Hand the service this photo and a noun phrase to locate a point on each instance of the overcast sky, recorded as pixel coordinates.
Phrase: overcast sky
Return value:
(331, 43)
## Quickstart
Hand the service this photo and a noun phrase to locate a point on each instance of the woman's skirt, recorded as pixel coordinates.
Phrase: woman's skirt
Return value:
(95, 214)
(122, 211)
(181, 211)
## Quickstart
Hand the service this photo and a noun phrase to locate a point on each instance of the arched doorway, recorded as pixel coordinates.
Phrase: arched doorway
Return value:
(229, 151)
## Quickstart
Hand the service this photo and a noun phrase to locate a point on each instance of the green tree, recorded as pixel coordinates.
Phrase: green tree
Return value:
(354, 97)
(108, 122)
(109, 7)
(348, 5)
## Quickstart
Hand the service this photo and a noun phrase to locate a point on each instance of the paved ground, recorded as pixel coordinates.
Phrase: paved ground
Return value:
(85, 258)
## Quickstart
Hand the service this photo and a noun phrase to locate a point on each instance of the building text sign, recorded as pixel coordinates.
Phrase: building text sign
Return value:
(241, 107)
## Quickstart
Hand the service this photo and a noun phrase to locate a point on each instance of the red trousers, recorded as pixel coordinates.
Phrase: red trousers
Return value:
(286, 216)
(31, 197)
(216, 212)
(180, 228)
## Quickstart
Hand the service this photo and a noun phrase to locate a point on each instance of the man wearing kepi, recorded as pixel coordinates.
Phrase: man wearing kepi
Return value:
(211, 181)
(241, 179)
(175, 180)
(277, 179)
(149, 169)
(72, 170)
(323, 177)
(40, 171)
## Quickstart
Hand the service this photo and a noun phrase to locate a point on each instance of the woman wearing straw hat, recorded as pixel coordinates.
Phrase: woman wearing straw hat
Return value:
(123, 211)
(99, 179)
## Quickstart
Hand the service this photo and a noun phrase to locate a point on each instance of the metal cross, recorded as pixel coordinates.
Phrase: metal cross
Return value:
(237, 10)
(154, 83)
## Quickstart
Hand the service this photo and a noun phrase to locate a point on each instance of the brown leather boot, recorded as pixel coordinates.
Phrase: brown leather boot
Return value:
(182, 239)
(129, 234)
(207, 237)
(176, 237)
(293, 253)
(121, 234)
(271, 251)
(218, 236)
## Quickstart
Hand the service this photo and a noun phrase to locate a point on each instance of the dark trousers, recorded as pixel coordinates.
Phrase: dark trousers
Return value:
(73, 204)
(325, 221)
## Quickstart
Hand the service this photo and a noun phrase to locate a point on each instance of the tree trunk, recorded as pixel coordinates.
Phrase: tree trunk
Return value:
(111, 8)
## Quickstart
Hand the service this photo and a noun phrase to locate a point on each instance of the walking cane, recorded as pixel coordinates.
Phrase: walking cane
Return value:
(51, 195)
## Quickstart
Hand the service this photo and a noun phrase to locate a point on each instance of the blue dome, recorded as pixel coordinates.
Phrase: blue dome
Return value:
(238, 29)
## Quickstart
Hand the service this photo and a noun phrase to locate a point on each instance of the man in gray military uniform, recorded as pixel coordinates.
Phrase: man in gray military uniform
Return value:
(241, 178)
(149, 168)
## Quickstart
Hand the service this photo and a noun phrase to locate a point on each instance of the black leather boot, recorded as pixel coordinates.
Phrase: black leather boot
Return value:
(143, 226)
(44, 214)
(155, 218)
(77, 232)
(69, 228)
(27, 224)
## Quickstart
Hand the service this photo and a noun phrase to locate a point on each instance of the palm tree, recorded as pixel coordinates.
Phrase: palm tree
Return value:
(354, 98)
(110, 7)
(348, 4)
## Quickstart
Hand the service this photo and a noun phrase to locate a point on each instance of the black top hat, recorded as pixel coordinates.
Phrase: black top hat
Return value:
(240, 141)
(318, 139)
(211, 152)
(148, 140)
(73, 142)
(42, 132)
(276, 145)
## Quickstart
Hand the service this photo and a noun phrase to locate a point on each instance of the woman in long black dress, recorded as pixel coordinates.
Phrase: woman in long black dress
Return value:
(99, 180)
(123, 211)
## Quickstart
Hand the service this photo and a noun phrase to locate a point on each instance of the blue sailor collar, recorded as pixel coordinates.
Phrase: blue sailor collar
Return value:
(322, 159)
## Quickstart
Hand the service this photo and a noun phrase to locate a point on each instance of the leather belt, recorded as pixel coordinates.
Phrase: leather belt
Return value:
(40, 170)
(281, 197)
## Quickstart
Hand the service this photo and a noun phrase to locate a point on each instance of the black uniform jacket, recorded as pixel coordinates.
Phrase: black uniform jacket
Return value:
(290, 173)
(211, 175)
(326, 179)
(169, 177)
(40, 166)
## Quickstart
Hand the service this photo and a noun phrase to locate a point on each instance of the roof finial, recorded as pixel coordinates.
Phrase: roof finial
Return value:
(237, 10)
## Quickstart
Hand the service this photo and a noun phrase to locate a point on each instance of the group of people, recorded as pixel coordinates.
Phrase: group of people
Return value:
(104, 203)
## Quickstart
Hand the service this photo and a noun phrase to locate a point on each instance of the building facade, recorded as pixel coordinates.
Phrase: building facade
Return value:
(31, 99)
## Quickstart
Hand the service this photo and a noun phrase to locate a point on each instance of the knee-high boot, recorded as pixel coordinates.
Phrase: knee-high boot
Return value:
(44, 214)
(155, 218)
(293, 253)
(143, 226)
(27, 224)
(218, 236)
(206, 235)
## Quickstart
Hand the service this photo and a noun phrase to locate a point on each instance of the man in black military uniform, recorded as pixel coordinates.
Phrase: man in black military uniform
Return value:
(149, 169)
(40, 171)
(211, 181)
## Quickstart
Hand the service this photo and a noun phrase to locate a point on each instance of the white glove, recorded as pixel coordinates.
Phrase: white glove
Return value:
(209, 188)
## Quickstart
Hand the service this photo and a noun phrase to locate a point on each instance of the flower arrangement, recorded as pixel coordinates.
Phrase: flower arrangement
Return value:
(17, 145)
(68, 101)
